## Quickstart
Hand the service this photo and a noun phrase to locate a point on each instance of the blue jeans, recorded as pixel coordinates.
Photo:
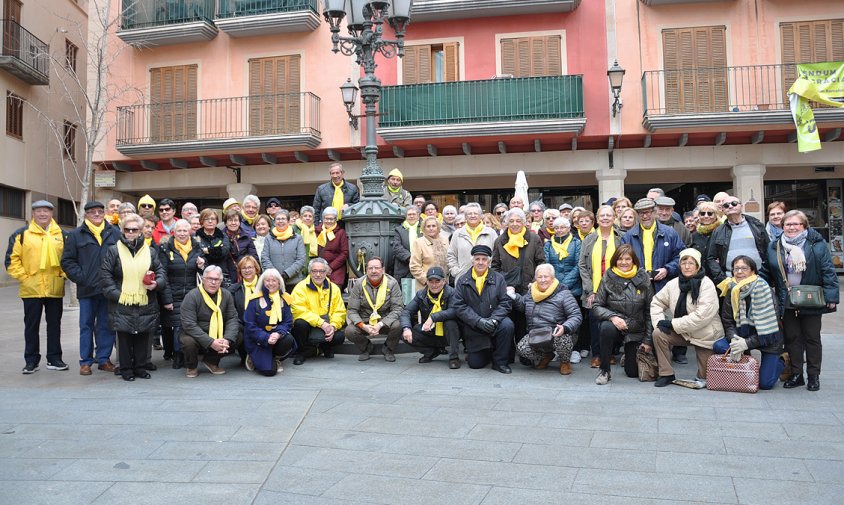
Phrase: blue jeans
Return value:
(769, 369)
(94, 331)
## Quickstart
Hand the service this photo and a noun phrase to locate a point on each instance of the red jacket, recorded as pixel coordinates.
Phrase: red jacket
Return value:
(158, 232)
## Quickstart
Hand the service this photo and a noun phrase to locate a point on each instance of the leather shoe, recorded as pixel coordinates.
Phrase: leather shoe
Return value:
(794, 381)
(151, 366)
(85, 370)
(425, 359)
(143, 375)
(328, 352)
(596, 362)
(454, 364)
(129, 378)
(388, 355)
(299, 359)
(664, 380)
(502, 368)
(108, 366)
(565, 368)
(543, 362)
(814, 383)
(681, 358)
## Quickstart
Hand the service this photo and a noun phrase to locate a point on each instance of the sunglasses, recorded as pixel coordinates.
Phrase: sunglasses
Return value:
(727, 205)
(706, 213)
(500, 213)
(146, 205)
(165, 209)
(131, 230)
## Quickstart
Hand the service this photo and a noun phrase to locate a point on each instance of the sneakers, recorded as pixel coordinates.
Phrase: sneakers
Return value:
(214, 369)
(191, 373)
(575, 356)
(278, 366)
(664, 380)
(29, 368)
(454, 364)
(56, 365)
(249, 364)
(602, 378)
(584, 353)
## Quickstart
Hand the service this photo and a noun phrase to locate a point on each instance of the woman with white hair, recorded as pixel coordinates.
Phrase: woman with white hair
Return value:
(449, 214)
(547, 229)
(517, 252)
(284, 250)
(563, 253)
(333, 246)
(268, 322)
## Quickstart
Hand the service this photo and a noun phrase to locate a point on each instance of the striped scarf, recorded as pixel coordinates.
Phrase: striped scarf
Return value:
(762, 314)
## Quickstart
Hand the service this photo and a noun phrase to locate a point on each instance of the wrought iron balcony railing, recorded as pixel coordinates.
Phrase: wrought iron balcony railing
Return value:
(23, 54)
(137, 14)
(241, 8)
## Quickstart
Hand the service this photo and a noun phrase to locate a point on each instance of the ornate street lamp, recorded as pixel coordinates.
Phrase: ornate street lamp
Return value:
(616, 76)
(370, 223)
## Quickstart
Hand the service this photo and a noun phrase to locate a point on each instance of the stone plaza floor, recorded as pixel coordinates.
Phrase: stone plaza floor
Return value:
(341, 432)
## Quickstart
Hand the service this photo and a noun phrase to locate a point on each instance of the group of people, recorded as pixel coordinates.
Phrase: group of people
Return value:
(626, 280)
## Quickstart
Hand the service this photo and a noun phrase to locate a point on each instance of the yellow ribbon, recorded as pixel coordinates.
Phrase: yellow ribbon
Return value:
(215, 325)
(380, 298)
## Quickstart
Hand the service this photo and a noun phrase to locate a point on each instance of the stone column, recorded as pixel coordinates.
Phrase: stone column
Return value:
(749, 184)
(610, 182)
(239, 190)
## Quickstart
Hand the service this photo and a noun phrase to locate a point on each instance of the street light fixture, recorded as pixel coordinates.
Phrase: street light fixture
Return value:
(616, 75)
(350, 97)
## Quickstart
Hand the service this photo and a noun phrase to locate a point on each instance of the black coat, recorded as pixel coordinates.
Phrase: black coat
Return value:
(493, 302)
(819, 271)
(629, 300)
(240, 247)
(421, 305)
(325, 195)
(533, 254)
(215, 249)
(400, 244)
(132, 319)
(239, 296)
(181, 277)
(719, 246)
(82, 259)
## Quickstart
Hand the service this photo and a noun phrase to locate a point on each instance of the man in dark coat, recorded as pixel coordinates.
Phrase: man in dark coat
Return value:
(324, 196)
(482, 306)
(196, 317)
(739, 235)
(439, 320)
(84, 250)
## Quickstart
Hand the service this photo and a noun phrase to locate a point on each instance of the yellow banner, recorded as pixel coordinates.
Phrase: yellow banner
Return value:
(817, 82)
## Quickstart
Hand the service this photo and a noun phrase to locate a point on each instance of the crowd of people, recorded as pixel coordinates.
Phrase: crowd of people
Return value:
(520, 282)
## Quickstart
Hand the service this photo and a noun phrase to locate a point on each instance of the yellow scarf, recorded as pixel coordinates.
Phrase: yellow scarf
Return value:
(114, 219)
(549, 231)
(439, 329)
(562, 250)
(132, 290)
(215, 325)
(380, 298)
(183, 249)
(308, 238)
(475, 233)
(49, 254)
(648, 245)
(515, 243)
(284, 234)
(479, 280)
(275, 308)
(538, 295)
(412, 232)
(249, 288)
(725, 285)
(536, 226)
(326, 235)
(97, 231)
(337, 201)
(599, 258)
(626, 275)
(249, 220)
(584, 235)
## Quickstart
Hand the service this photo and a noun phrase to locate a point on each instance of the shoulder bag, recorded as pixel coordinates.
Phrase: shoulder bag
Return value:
(801, 296)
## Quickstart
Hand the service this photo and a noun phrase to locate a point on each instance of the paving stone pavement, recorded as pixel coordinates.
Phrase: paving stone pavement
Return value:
(342, 432)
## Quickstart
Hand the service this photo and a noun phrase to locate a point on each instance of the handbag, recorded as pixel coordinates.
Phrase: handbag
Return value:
(541, 340)
(801, 296)
(724, 374)
(647, 365)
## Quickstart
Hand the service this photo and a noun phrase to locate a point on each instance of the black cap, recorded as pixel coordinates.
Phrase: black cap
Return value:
(436, 273)
(274, 200)
(481, 249)
(93, 204)
(703, 198)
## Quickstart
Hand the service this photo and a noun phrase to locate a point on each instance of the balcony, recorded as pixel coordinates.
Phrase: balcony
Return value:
(24, 55)
(436, 10)
(249, 18)
(149, 23)
(728, 96)
(482, 108)
(288, 120)
(672, 2)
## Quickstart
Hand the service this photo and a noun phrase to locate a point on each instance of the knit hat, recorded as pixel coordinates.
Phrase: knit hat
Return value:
(481, 249)
(397, 173)
(228, 203)
(146, 200)
(694, 253)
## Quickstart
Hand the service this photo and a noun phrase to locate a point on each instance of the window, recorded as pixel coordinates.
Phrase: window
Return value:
(65, 213)
(70, 140)
(810, 42)
(172, 93)
(695, 63)
(431, 63)
(274, 95)
(70, 52)
(532, 56)
(12, 202)
(14, 115)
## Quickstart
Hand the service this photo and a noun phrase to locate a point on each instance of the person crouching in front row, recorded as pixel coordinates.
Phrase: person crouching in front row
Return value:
(439, 327)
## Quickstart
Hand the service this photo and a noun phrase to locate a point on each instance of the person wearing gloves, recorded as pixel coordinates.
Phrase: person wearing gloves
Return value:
(394, 192)
(750, 321)
(685, 312)
(548, 304)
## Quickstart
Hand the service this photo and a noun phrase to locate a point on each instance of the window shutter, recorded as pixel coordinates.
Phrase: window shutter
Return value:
(190, 104)
(809, 42)
(452, 62)
(532, 56)
(508, 56)
(554, 57)
(155, 99)
(274, 103)
(836, 31)
(695, 63)
(672, 78)
(416, 64)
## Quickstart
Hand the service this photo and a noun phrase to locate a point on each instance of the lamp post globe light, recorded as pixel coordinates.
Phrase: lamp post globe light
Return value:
(369, 223)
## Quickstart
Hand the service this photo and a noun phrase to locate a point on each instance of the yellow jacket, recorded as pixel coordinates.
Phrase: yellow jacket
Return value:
(309, 306)
(26, 262)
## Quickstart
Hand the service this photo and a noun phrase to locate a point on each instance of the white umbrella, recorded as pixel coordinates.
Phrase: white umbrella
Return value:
(522, 187)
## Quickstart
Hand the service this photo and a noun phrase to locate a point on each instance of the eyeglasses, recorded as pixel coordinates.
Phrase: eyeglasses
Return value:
(792, 224)
(131, 230)
(741, 269)
(727, 205)
(214, 279)
(95, 211)
(146, 205)
(318, 272)
(706, 213)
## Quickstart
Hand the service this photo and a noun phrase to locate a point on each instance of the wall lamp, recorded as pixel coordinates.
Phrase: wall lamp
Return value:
(616, 75)
(350, 97)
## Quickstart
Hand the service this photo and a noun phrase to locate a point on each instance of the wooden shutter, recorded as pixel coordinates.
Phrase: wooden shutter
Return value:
(274, 95)
(416, 64)
(532, 56)
(809, 42)
(451, 62)
(173, 106)
(695, 65)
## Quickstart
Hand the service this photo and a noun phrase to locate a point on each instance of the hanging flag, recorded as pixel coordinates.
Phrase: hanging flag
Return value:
(817, 82)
